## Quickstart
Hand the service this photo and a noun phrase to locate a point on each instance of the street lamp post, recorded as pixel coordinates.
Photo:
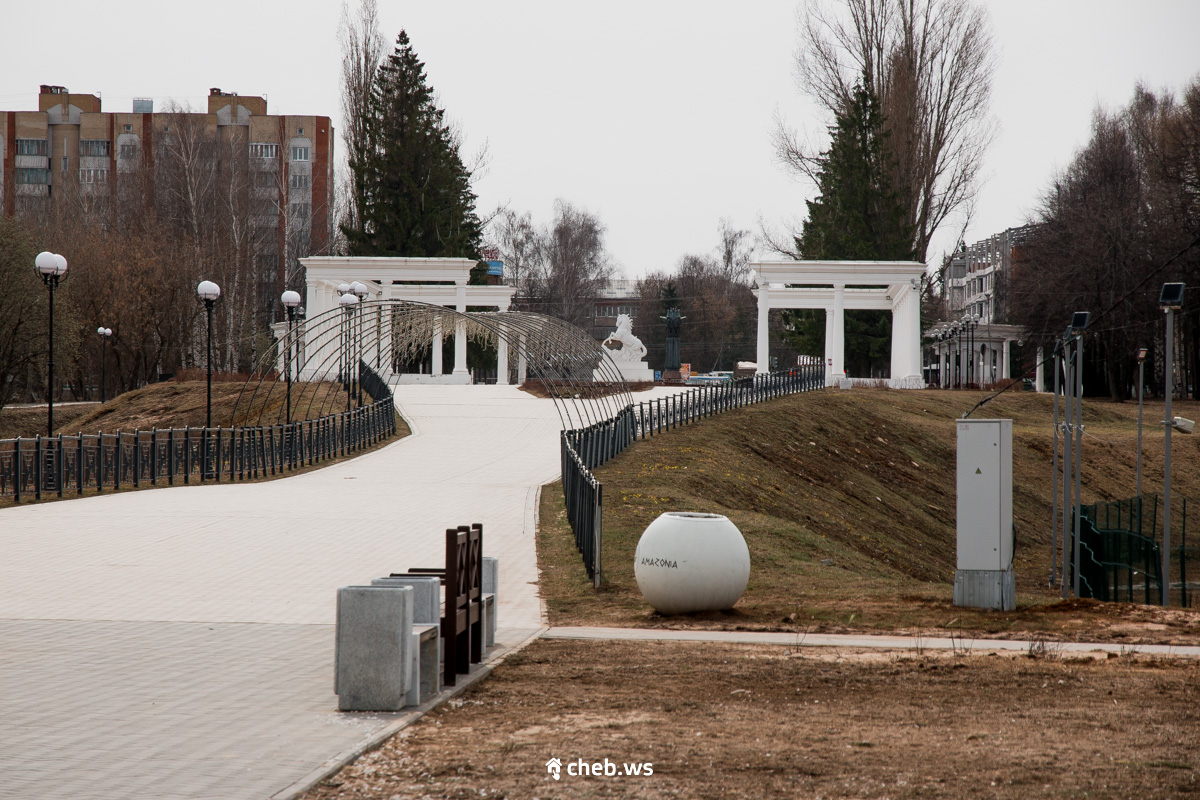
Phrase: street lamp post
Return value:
(104, 334)
(1170, 299)
(360, 291)
(53, 268)
(1141, 358)
(1079, 323)
(347, 302)
(290, 300)
(208, 292)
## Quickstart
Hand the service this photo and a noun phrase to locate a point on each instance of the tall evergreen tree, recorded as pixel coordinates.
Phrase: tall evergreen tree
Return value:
(414, 194)
(856, 216)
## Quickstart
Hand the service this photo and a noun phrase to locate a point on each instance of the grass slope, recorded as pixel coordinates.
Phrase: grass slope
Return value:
(847, 501)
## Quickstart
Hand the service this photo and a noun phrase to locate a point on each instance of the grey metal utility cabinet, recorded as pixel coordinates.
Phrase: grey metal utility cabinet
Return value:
(984, 578)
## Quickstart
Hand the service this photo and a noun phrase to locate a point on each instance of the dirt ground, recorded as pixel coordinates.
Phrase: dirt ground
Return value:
(720, 721)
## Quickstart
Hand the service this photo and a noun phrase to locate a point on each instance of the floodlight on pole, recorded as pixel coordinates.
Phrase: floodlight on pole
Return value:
(1141, 359)
(1170, 299)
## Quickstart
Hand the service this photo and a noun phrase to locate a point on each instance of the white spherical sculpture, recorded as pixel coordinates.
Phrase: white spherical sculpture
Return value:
(689, 562)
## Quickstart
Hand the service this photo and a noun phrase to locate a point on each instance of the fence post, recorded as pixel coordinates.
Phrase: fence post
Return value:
(58, 466)
(79, 471)
(37, 468)
(17, 471)
(598, 527)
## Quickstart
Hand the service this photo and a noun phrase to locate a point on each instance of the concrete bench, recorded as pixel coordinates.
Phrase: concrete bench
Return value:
(374, 648)
(427, 652)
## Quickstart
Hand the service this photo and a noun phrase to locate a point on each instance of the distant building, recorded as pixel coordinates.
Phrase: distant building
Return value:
(69, 145)
(973, 344)
(617, 296)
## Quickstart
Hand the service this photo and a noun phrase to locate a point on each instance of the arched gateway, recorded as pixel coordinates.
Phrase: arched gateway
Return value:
(836, 286)
(408, 305)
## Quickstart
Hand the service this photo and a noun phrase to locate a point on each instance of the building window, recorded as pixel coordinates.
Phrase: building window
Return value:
(616, 311)
(299, 154)
(299, 131)
(264, 180)
(300, 212)
(94, 147)
(32, 175)
(128, 128)
(264, 150)
(93, 176)
(299, 181)
(66, 163)
(128, 151)
(31, 147)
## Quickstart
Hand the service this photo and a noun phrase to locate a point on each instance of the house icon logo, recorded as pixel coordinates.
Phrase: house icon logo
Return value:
(553, 766)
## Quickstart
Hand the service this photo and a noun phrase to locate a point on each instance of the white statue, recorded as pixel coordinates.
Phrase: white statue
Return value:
(632, 350)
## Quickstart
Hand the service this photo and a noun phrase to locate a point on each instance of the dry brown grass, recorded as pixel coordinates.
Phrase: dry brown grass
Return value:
(847, 501)
(725, 721)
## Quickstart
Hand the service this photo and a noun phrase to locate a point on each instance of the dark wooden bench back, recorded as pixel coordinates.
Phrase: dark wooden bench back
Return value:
(462, 616)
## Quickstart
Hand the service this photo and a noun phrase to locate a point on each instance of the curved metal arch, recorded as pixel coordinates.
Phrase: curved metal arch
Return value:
(576, 371)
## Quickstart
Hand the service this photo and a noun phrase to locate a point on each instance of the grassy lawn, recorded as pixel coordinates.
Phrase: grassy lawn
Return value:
(847, 501)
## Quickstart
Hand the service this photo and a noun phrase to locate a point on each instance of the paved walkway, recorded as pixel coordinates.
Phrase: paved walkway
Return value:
(178, 642)
(887, 642)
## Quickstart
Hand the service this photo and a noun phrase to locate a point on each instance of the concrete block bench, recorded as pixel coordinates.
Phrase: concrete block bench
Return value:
(374, 644)
(427, 652)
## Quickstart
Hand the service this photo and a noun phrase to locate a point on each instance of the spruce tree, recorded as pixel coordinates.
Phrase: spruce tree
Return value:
(856, 216)
(414, 193)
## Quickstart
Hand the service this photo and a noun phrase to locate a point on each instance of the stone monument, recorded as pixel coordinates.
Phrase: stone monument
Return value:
(672, 363)
(629, 358)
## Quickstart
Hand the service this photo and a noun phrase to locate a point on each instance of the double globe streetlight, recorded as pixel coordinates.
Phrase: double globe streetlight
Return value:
(53, 268)
(105, 334)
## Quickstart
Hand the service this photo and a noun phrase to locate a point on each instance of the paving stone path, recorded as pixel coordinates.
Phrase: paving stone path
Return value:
(178, 642)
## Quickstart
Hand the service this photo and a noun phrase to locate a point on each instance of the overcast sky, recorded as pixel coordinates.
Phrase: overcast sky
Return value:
(656, 116)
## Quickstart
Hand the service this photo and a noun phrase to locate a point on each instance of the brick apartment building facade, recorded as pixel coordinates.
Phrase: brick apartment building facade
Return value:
(69, 144)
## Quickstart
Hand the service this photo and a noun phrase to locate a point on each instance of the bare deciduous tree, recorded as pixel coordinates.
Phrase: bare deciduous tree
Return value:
(514, 236)
(363, 47)
(930, 63)
(570, 267)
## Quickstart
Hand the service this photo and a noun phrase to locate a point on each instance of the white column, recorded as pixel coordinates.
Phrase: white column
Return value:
(764, 317)
(906, 334)
(460, 332)
(839, 332)
(502, 357)
(437, 346)
(828, 347)
(1005, 355)
(522, 365)
(1039, 380)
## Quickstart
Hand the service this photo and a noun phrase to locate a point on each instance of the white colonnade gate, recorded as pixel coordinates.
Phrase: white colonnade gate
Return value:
(838, 286)
(429, 281)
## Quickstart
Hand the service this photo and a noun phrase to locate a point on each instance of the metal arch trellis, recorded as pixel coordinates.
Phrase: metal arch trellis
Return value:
(575, 370)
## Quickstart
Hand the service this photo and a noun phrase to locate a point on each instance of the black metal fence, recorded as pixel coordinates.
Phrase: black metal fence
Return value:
(584, 449)
(47, 466)
(1121, 555)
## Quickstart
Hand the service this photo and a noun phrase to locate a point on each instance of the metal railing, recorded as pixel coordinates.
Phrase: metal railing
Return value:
(584, 449)
(45, 466)
(1120, 551)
